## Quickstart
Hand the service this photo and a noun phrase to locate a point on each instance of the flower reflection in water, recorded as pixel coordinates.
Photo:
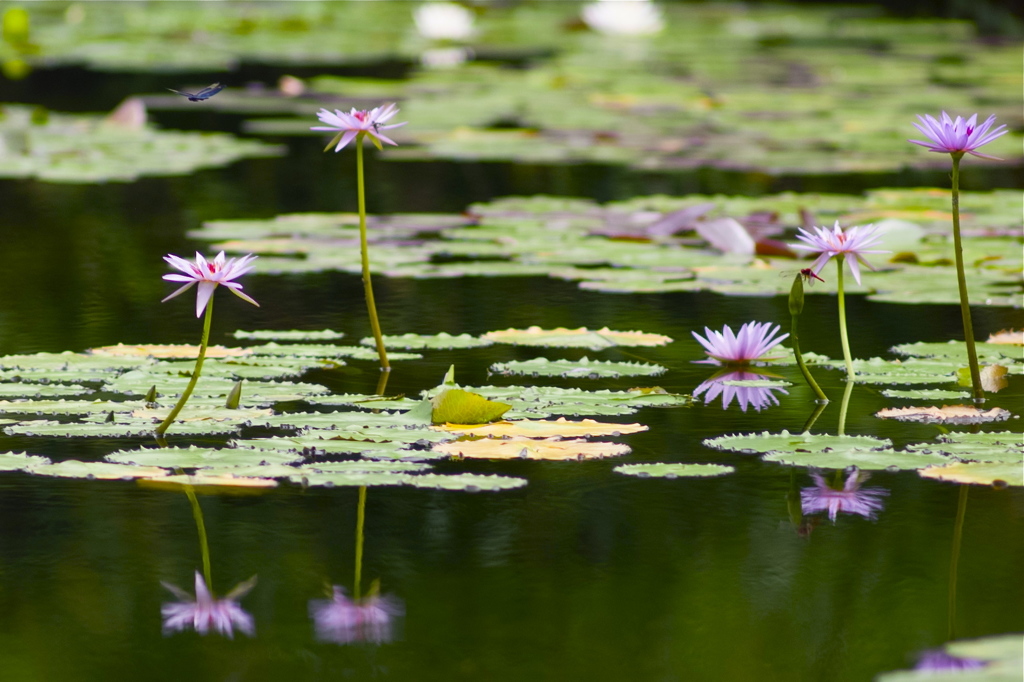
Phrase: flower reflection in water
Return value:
(850, 499)
(205, 613)
(757, 396)
(342, 620)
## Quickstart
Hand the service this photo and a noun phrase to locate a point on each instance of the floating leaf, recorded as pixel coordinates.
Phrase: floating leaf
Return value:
(289, 335)
(957, 351)
(531, 448)
(470, 483)
(140, 429)
(455, 406)
(862, 459)
(209, 481)
(575, 338)
(25, 390)
(320, 445)
(193, 457)
(169, 351)
(979, 473)
(673, 470)
(429, 341)
(751, 443)
(192, 413)
(924, 394)
(72, 468)
(20, 461)
(532, 428)
(947, 414)
(583, 368)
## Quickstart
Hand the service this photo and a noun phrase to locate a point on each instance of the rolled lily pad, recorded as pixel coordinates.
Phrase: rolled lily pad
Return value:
(429, 341)
(20, 461)
(288, 335)
(978, 473)
(531, 448)
(583, 368)
(536, 428)
(673, 470)
(947, 414)
(199, 458)
(72, 468)
(575, 338)
(455, 406)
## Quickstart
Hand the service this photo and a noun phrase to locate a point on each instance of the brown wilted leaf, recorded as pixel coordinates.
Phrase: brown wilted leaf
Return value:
(947, 414)
(183, 351)
(530, 448)
(541, 428)
(1009, 337)
(993, 378)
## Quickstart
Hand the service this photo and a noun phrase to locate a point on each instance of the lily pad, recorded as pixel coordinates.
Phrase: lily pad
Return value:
(673, 470)
(531, 448)
(583, 368)
(138, 429)
(792, 443)
(26, 390)
(20, 461)
(925, 394)
(429, 341)
(575, 338)
(455, 406)
(168, 351)
(866, 459)
(947, 414)
(198, 458)
(467, 482)
(978, 473)
(73, 468)
(535, 428)
(288, 335)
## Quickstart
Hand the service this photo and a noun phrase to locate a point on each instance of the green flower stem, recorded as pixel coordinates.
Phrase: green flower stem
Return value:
(796, 306)
(204, 546)
(842, 408)
(160, 430)
(364, 252)
(961, 281)
(954, 558)
(842, 320)
(818, 409)
(360, 520)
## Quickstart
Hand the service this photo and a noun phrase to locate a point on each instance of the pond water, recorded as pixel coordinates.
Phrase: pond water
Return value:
(581, 574)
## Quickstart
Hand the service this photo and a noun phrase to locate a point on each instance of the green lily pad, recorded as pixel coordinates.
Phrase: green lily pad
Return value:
(978, 473)
(786, 442)
(73, 468)
(139, 429)
(583, 368)
(197, 458)
(327, 352)
(338, 445)
(673, 470)
(1003, 447)
(288, 335)
(80, 148)
(889, 460)
(364, 402)
(429, 341)
(67, 407)
(20, 461)
(24, 390)
(956, 351)
(466, 482)
(925, 394)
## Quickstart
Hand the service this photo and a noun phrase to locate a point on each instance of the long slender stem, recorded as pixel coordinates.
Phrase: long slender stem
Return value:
(371, 306)
(794, 338)
(954, 559)
(204, 546)
(842, 320)
(160, 430)
(360, 521)
(842, 408)
(961, 281)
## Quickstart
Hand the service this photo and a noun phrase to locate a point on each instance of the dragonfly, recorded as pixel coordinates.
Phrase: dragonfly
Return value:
(205, 93)
(807, 273)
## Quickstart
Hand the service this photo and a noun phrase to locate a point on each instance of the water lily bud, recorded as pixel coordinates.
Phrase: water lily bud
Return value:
(796, 296)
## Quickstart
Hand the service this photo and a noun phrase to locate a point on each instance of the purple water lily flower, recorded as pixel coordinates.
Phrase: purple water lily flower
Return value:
(210, 274)
(851, 243)
(204, 613)
(751, 343)
(352, 124)
(342, 620)
(852, 499)
(957, 137)
(937, 660)
(758, 397)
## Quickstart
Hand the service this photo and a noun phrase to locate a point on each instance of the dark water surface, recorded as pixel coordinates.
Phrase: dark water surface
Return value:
(582, 574)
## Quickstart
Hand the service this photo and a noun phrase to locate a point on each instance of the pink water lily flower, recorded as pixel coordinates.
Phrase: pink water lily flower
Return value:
(852, 243)
(205, 613)
(851, 499)
(209, 275)
(350, 125)
(342, 620)
(952, 137)
(751, 343)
